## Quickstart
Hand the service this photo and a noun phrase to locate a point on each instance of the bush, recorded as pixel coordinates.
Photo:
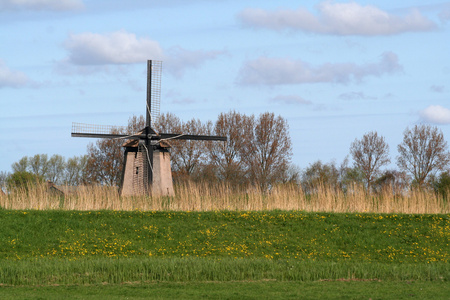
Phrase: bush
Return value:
(22, 179)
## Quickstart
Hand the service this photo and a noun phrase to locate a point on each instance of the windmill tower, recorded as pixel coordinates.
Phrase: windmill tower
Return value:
(146, 169)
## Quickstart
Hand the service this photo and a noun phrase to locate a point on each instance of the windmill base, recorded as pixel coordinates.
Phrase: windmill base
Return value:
(136, 168)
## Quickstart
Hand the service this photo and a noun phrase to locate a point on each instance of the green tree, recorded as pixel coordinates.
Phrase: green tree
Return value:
(38, 165)
(319, 173)
(442, 185)
(75, 171)
(23, 179)
(21, 165)
(56, 168)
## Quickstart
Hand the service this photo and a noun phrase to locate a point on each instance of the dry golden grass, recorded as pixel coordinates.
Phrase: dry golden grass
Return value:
(203, 197)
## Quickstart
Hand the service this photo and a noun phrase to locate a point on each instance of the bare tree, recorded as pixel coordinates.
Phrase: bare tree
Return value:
(269, 151)
(105, 158)
(422, 152)
(370, 153)
(229, 157)
(105, 162)
(191, 154)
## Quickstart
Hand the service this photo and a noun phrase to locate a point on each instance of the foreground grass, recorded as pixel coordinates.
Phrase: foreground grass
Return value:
(288, 235)
(113, 247)
(238, 290)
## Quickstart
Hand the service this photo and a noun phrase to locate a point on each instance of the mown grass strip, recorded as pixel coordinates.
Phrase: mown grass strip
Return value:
(115, 271)
(237, 290)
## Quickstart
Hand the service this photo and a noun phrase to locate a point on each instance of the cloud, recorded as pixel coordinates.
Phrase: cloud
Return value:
(277, 71)
(290, 99)
(436, 114)
(118, 47)
(58, 5)
(437, 88)
(337, 19)
(444, 15)
(356, 96)
(10, 78)
(179, 59)
(91, 53)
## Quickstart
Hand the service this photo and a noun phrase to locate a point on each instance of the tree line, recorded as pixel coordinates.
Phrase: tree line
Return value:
(259, 153)
(258, 150)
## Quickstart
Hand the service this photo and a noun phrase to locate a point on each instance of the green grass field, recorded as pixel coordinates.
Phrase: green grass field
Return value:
(237, 252)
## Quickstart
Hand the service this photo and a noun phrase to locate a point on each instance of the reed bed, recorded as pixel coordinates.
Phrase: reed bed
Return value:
(204, 197)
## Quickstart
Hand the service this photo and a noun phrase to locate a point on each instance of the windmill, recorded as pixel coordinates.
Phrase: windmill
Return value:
(146, 160)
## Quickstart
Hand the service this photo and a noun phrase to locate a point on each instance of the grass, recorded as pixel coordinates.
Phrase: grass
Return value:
(237, 290)
(83, 247)
(239, 245)
(203, 197)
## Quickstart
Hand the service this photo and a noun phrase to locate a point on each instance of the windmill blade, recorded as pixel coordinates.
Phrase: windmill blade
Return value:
(174, 136)
(154, 70)
(100, 131)
(105, 136)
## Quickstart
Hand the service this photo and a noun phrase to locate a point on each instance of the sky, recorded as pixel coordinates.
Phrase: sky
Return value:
(335, 70)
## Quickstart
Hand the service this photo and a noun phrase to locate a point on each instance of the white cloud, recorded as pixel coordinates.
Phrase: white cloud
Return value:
(276, 71)
(337, 19)
(179, 59)
(10, 78)
(290, 99)
(90, 53)
(58, 5)
(436, 114)
(118, 47)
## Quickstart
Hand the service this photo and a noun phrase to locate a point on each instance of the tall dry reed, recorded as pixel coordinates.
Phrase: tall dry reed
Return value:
(204, 197)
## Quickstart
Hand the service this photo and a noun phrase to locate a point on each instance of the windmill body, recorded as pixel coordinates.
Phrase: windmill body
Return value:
(146, 168)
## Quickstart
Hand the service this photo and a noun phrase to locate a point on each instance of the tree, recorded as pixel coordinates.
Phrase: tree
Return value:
(229, 158)
(21, 165)
(396, 181)
(105, 158)
(423, 151)
(3, 179)
(191, 154)
(74, 173)
(38, 164)
(319, 173)
(22, 180)
(55, 169)
(105, 162)
(369, 154)
(441, 184)
(269, 150)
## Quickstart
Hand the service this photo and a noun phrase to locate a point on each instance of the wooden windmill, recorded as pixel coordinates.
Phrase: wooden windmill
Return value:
(147, 160)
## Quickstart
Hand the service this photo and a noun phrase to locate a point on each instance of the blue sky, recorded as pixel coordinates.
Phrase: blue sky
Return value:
(334, 69)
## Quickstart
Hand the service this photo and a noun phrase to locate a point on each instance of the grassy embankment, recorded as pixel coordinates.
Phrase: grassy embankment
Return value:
(219, 242)
(93, 247)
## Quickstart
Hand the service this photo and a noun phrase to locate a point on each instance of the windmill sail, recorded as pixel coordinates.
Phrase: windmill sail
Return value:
(154, 71)
(99, 131)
